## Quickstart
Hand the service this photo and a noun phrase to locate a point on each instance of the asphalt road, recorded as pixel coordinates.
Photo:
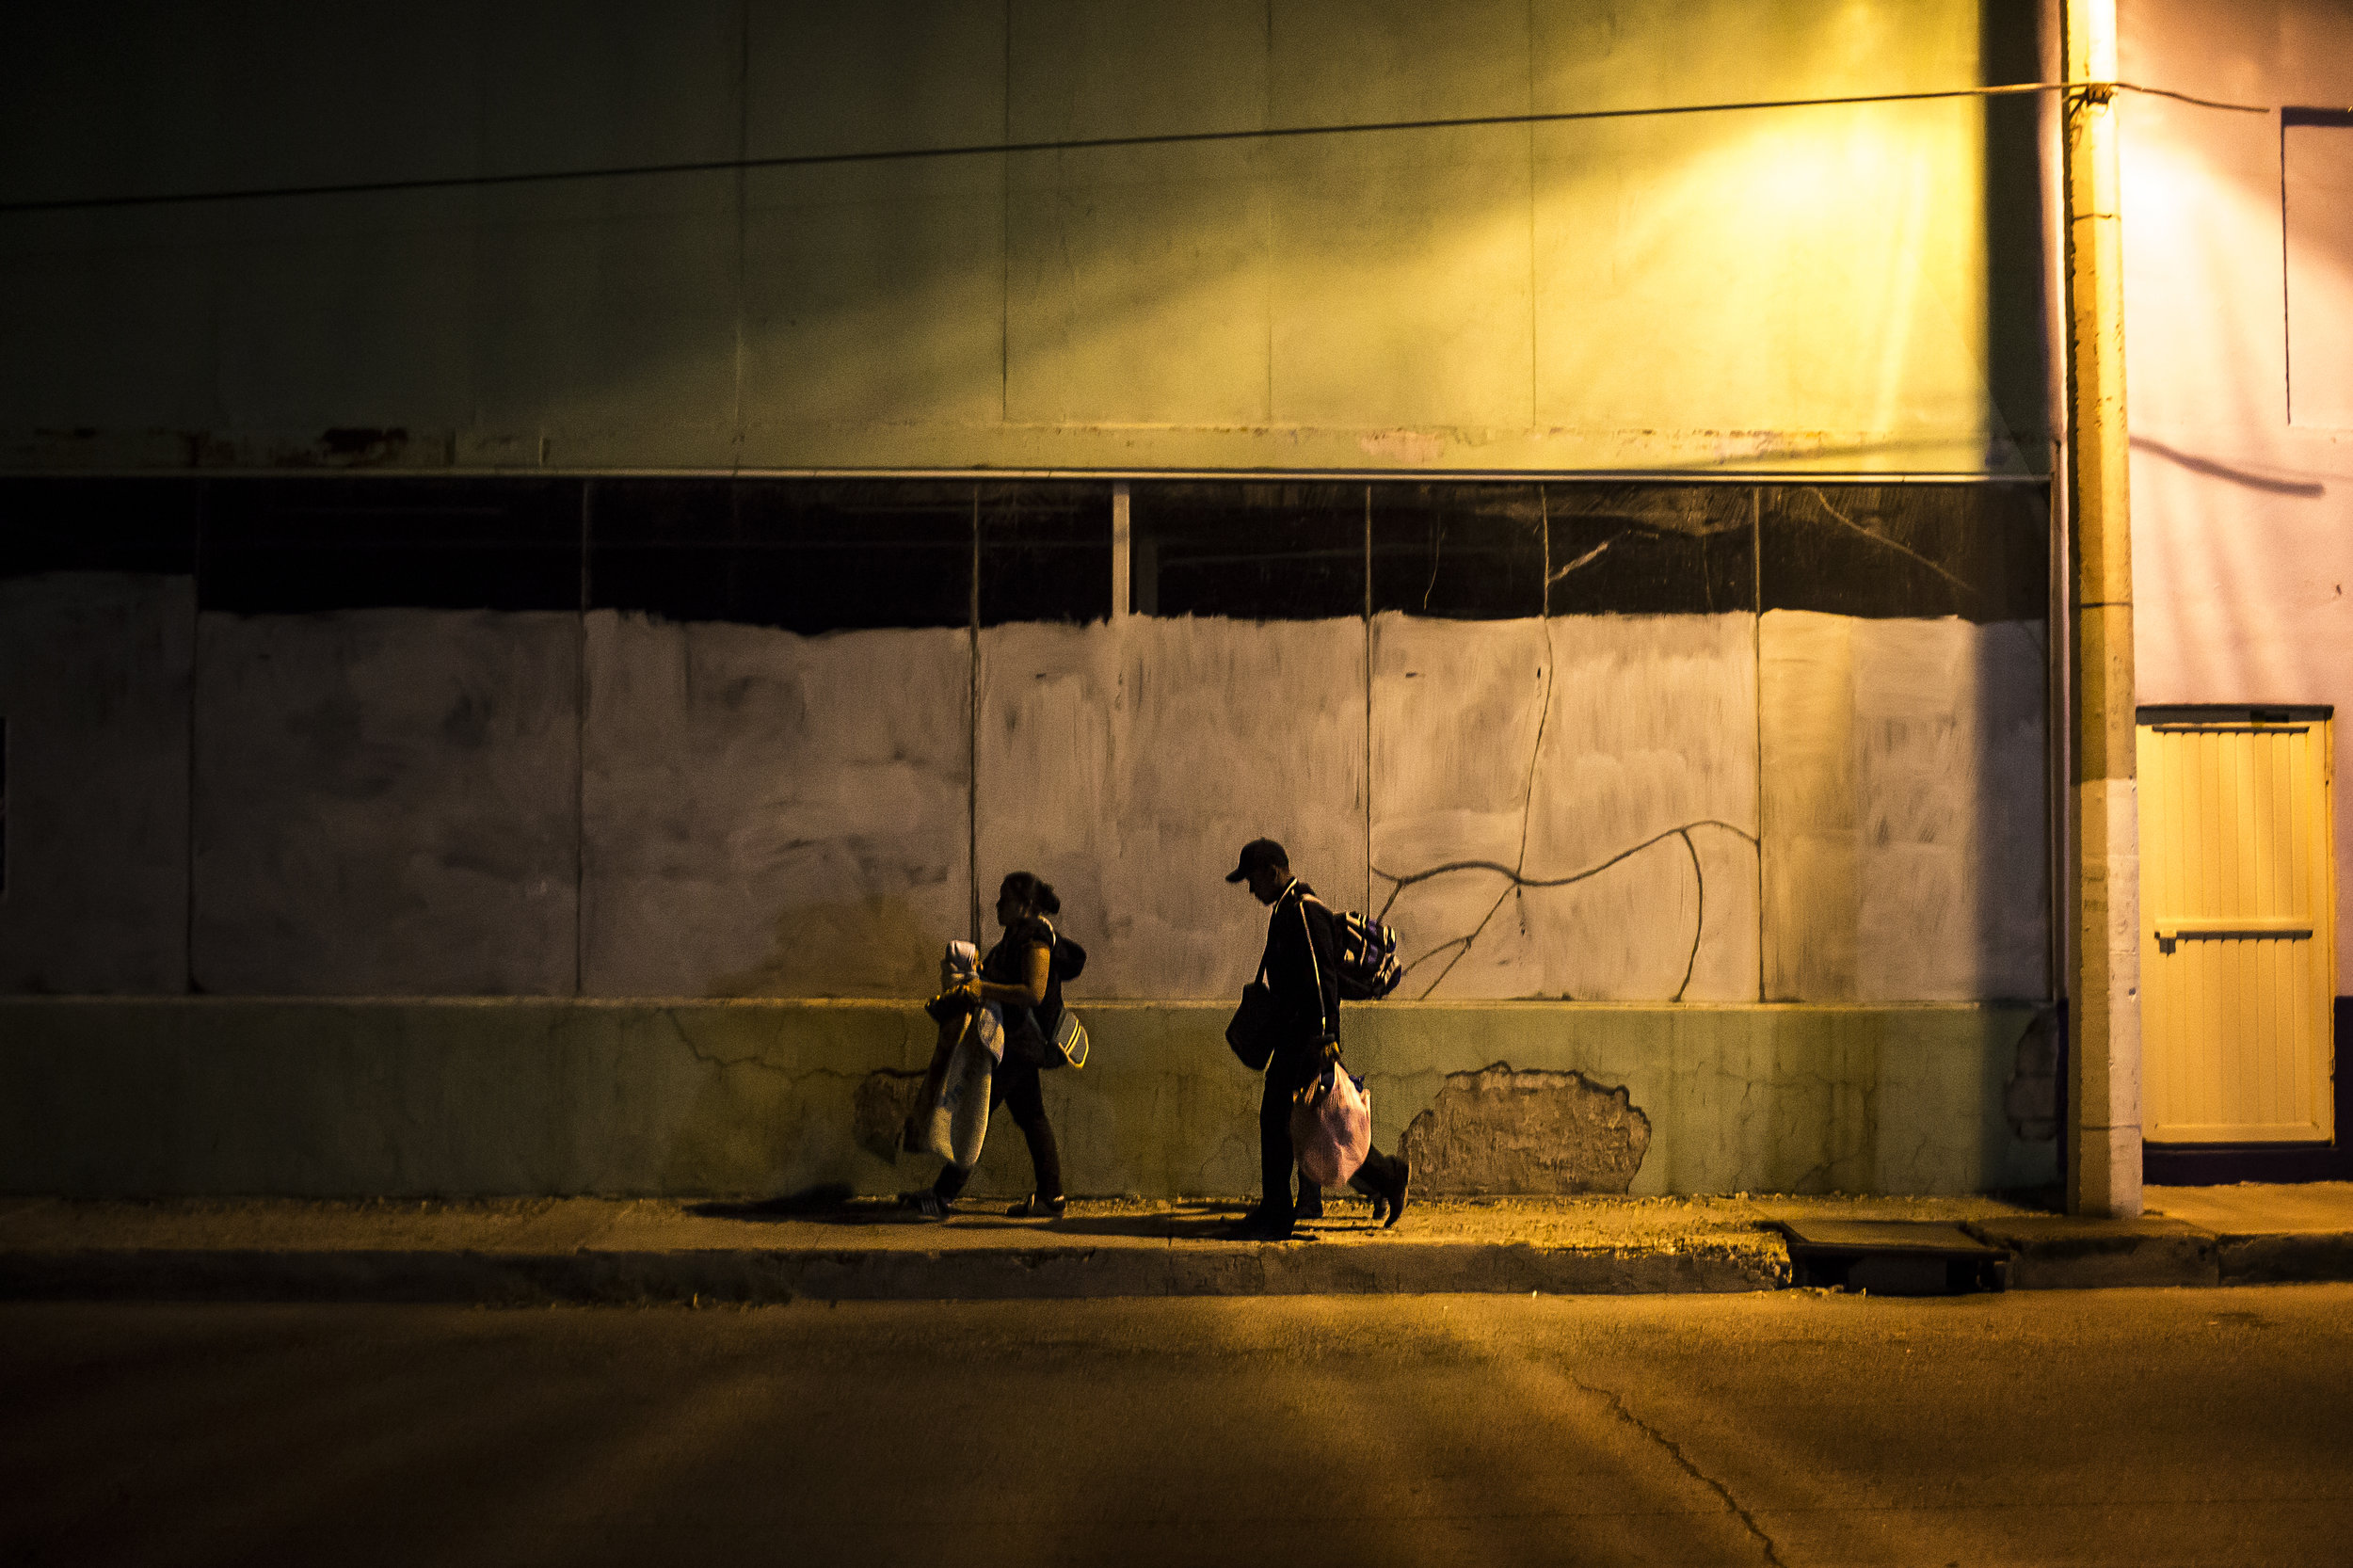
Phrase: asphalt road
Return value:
(2109, 1427)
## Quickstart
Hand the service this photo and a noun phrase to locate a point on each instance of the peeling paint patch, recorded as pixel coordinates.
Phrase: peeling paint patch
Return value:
(362, 443)
(1497, 1130)
(886, 1097)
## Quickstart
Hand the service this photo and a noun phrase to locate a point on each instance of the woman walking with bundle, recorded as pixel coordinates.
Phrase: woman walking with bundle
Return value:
(1018, 994)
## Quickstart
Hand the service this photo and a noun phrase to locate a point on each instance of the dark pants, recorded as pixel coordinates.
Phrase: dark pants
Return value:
(1286, 1077)
(1015, 1083)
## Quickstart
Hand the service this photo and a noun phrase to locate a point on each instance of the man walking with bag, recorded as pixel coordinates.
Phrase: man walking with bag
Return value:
(1291, 1026)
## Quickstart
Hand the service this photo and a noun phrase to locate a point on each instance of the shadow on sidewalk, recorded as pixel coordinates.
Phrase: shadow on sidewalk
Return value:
(835, 1204)
(831, 1202)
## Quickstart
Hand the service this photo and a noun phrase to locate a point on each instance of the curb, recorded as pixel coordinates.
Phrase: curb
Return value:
(1058, 1273)
(2061, 1253)
(2292, 1259)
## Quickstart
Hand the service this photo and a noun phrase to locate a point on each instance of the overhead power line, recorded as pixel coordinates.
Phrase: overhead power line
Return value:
(1086, 144)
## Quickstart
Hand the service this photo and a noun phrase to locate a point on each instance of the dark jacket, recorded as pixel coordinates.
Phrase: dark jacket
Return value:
(1301, 970)
(1030, 1030)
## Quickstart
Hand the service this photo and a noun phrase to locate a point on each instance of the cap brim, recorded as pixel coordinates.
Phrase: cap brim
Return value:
(1238, 873)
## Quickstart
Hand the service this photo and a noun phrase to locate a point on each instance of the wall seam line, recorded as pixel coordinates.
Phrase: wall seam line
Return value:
(196, 645)
(743, 207)
(1533, 315)
(580, 756)
(1004, 310)
(1756, 678)
(973, 725)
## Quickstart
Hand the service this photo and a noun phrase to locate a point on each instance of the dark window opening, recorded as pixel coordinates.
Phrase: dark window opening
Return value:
(291, 546)
(1650, 549)
(806, 557)
(1978, 552)
(1459, 551)
(1046, 552)
(135, 525)
(1253, 552)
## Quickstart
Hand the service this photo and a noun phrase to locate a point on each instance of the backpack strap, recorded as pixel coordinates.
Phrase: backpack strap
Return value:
(1330, 1023)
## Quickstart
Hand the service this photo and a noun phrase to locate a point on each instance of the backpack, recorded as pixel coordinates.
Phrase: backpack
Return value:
(1368, 969)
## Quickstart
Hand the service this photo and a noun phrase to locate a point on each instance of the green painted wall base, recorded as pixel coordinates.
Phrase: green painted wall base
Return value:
(103, 1096)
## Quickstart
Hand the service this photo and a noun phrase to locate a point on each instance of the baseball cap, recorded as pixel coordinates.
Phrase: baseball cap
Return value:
(1257, 853)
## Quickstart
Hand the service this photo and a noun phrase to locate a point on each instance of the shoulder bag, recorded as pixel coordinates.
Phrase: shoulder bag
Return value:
(1251, 1032)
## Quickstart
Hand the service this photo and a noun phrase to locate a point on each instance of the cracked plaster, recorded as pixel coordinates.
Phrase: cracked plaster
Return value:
(1497, 1131)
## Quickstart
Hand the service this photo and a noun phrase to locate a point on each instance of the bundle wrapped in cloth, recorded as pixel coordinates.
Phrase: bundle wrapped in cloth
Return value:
(956, 1124)
(1331, 1127)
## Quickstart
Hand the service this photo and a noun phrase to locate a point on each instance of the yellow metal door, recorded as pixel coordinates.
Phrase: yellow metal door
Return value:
(2237, 911)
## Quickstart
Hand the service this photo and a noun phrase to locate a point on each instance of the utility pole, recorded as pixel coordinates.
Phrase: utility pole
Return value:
(2104, 1056)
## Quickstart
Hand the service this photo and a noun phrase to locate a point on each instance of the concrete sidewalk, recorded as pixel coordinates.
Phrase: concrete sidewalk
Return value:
(515, 1250)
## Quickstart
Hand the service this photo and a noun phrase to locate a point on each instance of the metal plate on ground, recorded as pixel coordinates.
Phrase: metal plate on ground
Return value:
(1892, 1258)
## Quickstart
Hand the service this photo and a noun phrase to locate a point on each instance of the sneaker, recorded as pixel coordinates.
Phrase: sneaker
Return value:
(1036, 1208)
(925, 1202)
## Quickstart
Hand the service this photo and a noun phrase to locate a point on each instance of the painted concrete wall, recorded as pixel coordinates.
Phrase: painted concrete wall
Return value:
(386, 804)
(205, 1096)
(1895, 862)
(1599, 775)
(1127, 762)
(1773, 875)
(768, 814)
(2242, 503)
(1815, 289)
(439, 803)
(94, 689)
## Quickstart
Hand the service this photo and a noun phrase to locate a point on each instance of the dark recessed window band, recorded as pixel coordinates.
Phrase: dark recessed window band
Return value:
(816, 555)
(312, 544)
(1905, 551)
(126, 525)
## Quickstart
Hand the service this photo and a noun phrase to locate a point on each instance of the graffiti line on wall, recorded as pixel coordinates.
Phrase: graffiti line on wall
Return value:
(1585, 560)
(1886, 543)
(1516, 880)
(1974, 590)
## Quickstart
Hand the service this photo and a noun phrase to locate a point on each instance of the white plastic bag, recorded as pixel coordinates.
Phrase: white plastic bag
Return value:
(1331, 1127)
(959, 1117)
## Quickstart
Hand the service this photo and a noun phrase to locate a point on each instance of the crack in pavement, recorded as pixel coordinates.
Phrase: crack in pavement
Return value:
(1675, 1452)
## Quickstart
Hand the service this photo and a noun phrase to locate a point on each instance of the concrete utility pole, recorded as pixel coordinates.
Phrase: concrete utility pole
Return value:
(2104, 1145)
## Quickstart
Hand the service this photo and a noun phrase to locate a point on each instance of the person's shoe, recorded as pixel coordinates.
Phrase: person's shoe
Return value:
(1394, 1196)
(930, 1205)
(1260, 1225)
(1036, 1208)
(1310, 1205)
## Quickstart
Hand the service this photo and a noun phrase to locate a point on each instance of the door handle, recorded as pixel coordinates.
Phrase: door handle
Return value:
(2224, 928)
